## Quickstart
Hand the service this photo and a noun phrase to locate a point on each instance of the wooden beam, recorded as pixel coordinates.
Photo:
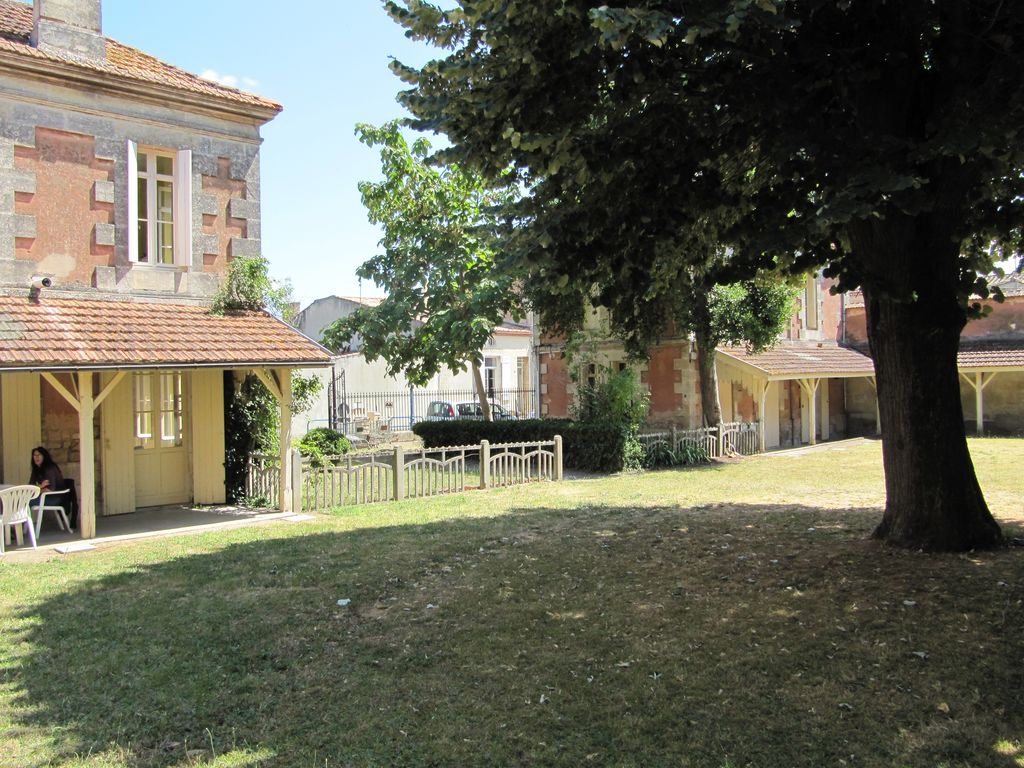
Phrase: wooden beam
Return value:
(106, 390)
(979, 402)
(269, 382)
(991, 375)
(87, 458)
(284, 380)
(54, 382)
(810, 386)
(761, 413)
(826, 432)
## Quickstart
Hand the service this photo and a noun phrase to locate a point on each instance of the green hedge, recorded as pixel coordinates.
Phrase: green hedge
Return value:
(592, 446)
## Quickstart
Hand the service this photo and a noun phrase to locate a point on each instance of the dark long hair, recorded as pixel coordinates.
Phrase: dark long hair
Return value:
(39, 473)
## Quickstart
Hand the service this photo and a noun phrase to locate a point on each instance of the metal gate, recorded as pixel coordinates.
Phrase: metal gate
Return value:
(337, 408)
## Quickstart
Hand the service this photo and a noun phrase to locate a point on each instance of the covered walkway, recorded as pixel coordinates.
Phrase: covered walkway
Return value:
(154, 522)
(806, 363)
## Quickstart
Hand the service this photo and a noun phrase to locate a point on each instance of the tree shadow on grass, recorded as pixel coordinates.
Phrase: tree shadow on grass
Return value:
(733, 634)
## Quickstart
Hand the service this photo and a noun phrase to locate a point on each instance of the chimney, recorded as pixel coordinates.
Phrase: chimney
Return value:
(69, 27)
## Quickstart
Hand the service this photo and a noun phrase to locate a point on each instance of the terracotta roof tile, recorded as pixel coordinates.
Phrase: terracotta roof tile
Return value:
(805, 359)
(978, 353)
(92, 333)
(122, 60)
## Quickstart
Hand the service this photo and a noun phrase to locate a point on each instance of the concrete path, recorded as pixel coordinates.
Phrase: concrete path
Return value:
(149, 523)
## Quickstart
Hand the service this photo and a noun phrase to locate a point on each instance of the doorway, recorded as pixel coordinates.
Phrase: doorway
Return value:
(162, 467)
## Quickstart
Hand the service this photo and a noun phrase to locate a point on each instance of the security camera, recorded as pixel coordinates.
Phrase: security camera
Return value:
(40, 281)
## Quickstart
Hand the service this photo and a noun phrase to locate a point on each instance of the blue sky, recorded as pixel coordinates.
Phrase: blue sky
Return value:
(326, 61)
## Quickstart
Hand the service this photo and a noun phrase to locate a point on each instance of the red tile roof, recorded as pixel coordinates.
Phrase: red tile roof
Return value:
(70, 333)
(804, 359)
(978, 353)
(122, 60)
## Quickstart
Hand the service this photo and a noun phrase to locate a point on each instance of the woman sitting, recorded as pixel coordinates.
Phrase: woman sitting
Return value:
(46, 474)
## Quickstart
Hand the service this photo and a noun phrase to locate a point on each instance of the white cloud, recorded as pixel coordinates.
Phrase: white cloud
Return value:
(211, 74)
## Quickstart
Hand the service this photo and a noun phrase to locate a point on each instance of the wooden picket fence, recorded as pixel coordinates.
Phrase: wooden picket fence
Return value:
(263, 478)
(399, 474)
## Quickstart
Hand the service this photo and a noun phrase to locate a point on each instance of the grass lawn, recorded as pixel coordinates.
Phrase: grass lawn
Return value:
(734, 615)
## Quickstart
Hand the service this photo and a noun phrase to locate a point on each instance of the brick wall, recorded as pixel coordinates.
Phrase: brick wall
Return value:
(69, 206)
(64, 184)
(554, 385)
(662, 376)
(218, 223)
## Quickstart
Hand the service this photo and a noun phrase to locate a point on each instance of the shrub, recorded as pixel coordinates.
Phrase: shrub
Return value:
(321, 442)
(663, 455)
(591, 446)
(615, 396)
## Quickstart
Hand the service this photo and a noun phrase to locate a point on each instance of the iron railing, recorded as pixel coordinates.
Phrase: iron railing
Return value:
(372, 412)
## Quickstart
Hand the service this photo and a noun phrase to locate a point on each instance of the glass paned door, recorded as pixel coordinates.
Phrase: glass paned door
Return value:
(162, 466)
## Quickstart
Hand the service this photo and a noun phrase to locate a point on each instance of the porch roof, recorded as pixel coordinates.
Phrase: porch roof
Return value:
(60, 334)
(991, 355)
(801, 360)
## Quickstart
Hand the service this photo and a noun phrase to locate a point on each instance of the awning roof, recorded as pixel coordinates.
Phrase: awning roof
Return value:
(90, 334)
(808, 360)
(982, 355)
(801, 360)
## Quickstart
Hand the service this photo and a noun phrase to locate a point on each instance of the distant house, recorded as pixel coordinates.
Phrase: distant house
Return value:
(358, 393)
(128, 187)
(817, 383)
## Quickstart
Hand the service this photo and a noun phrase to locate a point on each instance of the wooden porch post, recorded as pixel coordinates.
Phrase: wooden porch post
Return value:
(761, 413)
(279, 383)
(979, 402)
(810, 386)
(87, 457)
(979, 383)
(826, 432)
(284, 381)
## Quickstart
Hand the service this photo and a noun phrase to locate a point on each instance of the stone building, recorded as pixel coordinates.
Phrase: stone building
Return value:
(126, 187)
(817, 383)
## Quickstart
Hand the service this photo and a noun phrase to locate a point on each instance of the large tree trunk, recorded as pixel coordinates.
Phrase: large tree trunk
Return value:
(481, 392)
(933, 500)
(711, 405)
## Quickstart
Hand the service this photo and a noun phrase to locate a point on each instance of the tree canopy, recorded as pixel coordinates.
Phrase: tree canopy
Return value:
(877, 139)
(444, 297)
(752, 313)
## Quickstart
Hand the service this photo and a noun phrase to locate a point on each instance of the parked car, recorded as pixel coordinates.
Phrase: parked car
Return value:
(441, 410)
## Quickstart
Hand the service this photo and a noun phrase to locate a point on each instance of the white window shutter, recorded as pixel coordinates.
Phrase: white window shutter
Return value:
(183, 208)
(133, 201)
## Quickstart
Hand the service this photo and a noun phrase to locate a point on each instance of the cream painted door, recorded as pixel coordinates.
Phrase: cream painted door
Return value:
(162, 466)
(118, 448)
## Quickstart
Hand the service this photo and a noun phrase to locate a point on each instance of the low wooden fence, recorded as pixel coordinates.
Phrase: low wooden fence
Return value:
(735, 438)
(263, 478)
(399, 474)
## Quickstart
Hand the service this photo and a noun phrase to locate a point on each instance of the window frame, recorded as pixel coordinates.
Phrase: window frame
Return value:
(181, 205)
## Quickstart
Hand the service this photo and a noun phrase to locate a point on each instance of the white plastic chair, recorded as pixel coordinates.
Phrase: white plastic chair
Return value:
(53, 501)
(16, 512)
